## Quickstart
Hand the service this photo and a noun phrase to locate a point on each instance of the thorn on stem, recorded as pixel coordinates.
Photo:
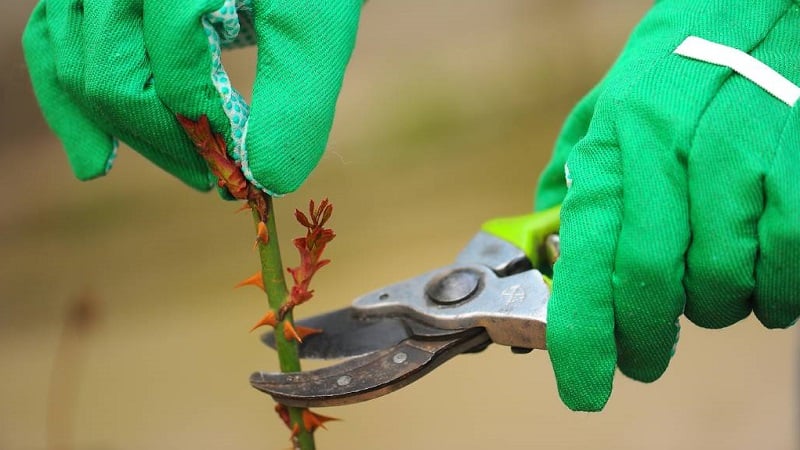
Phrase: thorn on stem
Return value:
(254, 280)
(290, 333)
(262, 236)
(245, 207)
(312, 420)
(268, 319)
(304, 332)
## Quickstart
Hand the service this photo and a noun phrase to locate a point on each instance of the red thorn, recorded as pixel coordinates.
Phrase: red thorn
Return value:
(290, 333)
(268, 319)
(262, 235)
(254, 280)
(295, 431)
(305, 332)
(312, 420)
(245, 207)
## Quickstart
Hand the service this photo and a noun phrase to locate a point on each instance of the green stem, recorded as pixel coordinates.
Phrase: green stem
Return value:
(277, 293)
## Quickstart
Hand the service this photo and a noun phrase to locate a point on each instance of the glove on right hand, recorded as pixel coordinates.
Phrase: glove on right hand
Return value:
(685, 194)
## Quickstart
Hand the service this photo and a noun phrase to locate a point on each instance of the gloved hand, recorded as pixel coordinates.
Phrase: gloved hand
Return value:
(107, 69)
(685, 194)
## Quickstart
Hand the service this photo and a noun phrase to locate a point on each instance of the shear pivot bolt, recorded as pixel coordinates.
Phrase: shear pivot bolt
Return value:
(453, 287)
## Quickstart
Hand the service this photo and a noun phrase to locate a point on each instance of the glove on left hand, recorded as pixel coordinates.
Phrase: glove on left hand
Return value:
(106, 69)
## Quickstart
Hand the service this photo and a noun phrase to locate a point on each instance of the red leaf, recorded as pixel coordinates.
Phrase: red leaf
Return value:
(283, 413)
(326, 214)
(310, 248)
(302, 218)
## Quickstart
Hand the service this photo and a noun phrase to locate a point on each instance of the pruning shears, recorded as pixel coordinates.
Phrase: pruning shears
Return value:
(496, 291)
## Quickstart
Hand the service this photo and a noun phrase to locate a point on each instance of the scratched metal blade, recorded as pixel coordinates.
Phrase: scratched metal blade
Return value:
(345, 334)
(368, 376)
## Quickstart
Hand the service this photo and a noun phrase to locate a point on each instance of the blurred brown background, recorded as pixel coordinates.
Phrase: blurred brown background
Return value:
(446, 118)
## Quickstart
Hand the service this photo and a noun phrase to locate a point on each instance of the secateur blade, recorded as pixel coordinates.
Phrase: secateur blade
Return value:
(403, 331)
(368, 376)
(348, 332)
(345, 334)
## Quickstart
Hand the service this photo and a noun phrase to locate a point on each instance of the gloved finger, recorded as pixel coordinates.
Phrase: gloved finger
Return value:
(727, 184)
(777, 302)
(649, 268)
(727, 198)
(656, 134)
(303, 49)
(119, 86)
(54, 34)
(552, 188)
(192, 81)
(580, 316)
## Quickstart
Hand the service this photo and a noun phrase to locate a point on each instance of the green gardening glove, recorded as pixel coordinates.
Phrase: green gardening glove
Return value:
(685, 193)
(122, 69)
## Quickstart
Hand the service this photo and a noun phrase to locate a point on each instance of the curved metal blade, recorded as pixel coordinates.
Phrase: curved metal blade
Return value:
(369, 376)
(345, 333)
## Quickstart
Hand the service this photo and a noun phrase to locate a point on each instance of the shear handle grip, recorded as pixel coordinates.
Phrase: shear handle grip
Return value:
(528, 232)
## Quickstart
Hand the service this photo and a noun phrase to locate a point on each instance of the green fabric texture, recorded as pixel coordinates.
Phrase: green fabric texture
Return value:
(121, 69)
(684, 197)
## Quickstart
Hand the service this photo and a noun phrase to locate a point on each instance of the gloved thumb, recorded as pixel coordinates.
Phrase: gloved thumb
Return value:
(303, 50)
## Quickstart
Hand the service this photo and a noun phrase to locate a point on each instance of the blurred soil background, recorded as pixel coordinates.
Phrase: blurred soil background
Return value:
(447, 116)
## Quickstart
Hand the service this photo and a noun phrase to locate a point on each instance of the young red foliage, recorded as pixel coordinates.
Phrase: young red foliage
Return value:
(310, 248)
(212, 148)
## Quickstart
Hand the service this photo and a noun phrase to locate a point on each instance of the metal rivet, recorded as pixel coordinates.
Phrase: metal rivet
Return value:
(344, 380)
(399, 358)
(454, 286)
